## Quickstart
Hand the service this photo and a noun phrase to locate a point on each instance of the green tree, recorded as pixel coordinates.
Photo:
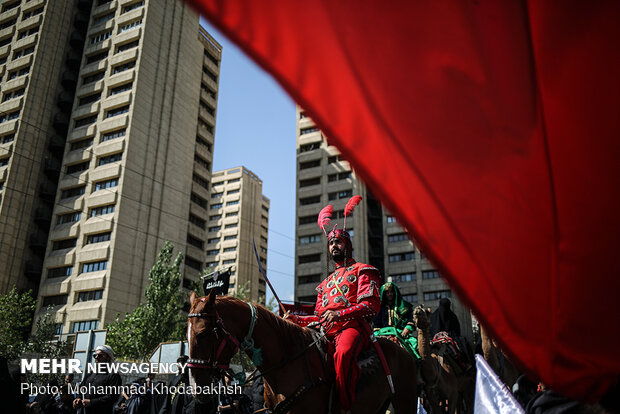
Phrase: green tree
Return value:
(158, 319)
(16, 311)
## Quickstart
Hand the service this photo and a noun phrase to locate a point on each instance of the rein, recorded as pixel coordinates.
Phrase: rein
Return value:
(246, 344)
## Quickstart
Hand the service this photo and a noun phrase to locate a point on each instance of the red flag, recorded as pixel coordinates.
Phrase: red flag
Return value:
(490, 129)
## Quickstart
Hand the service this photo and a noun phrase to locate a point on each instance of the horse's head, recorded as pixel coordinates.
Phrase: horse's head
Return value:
(211, 346)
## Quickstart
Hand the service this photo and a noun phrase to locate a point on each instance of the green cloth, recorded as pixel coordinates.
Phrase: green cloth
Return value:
(410, 343)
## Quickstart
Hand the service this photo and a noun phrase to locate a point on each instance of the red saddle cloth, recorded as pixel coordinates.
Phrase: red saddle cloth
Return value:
(453, 350)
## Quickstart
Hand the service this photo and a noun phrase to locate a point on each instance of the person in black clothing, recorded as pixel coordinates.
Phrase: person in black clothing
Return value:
(179, 403)
(443, 319)
(99, 403)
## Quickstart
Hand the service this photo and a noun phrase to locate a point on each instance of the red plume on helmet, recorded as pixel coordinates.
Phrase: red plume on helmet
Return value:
(348, 209)
(325, 216)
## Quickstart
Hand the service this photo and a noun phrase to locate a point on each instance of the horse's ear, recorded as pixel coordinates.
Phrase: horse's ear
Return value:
(192, 297)
(211, 298)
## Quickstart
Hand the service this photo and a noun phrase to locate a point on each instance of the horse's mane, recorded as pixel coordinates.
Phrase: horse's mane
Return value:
(287, 329)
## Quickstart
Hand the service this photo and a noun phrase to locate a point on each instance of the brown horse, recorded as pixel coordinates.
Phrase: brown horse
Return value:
(289, 360)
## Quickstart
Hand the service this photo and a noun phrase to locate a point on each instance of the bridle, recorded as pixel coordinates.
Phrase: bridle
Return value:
(227, 338)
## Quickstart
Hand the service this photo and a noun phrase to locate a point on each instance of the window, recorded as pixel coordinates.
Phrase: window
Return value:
(123, 67)
(398, 237)
(98, 38)
(63, 271)
(110, 159)
(89, 120)
(9, 117)
(310, 147)
(117, 111)
(307, 219)
(213, 240)
(309, 258)
(94, 266)
(403, 277)
(200, 181)
(231, 237)
(112, 135)
(401, 257)
(96, 57)
(8, 138)
(229, 249)
(232, 192)
(203, 124)
(10, 6)
(89, 295)
(120, 89)
(101, 211)
(24, 52)
(215, 228)
(216, 206)
(391, 219)
(133, 6)
(4, 161)
(196, 199)
(32, 13)
(127, 46)
(215, 217)
(84, 326)
(77, 168)
(68, 217)
(201, 161)
(93, 78)
(102, 19)
(231, 226)
(216, 195)
(195, 241)
(211, 58)
(430, 274)
(234, 180)
(339, 176)
(232, 214)
(439, 294)
(81, 144)
(232, 203)
(204, 143)
(89, 99)
(413, 298)
(340, 194)
(98, 238)
(229, 261)
(129, 26)
(8, 24)
(309, 182)
(193, 263)
(310, 200)
(210, 74)
(64, 244)
(197, 221)
(102, 185)
(309, 164)
(27, 32)
(54, 300)
(315, 238)
(210, 110)
(18, 72)
(334, 158)
(213, 252)
(73, 192)
(208, 90)
(307, 130)
(316, 278)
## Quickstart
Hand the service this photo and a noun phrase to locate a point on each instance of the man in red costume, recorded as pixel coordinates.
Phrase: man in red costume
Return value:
(345, 299)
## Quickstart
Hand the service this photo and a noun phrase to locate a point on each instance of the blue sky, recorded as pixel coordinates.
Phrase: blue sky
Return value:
(255, 127)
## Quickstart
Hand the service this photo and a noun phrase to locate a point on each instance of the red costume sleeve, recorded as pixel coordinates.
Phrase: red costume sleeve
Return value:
(368, 299)
(305, 320)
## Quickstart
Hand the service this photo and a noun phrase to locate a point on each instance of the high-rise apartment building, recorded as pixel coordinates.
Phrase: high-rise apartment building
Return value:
(41, 46)
(137, 109)
(238, 214)
(323, 178)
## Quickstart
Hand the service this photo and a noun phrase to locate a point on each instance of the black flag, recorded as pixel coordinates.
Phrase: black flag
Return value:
(218, 281)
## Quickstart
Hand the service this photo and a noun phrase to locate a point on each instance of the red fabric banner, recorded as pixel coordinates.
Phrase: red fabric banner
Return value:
(490, 129)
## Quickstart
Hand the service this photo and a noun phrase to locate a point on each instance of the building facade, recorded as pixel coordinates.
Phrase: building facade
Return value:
(324, 177)
(134, 147)
(238, 215)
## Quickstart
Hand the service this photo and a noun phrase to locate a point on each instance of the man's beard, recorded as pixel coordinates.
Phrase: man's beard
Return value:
(338, 255)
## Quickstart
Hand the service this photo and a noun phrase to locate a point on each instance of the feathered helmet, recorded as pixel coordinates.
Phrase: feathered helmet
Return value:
(325, 216)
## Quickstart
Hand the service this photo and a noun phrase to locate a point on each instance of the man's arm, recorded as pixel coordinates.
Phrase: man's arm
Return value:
(115, 380)
(305, 320)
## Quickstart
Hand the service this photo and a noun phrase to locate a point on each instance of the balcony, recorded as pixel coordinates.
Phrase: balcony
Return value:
(38, 242)
(61, 123)
(76, 40)
(43, 217)
(51, 166)
(65, 101)
(57, 145)
(47, 192)
(33, 270)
